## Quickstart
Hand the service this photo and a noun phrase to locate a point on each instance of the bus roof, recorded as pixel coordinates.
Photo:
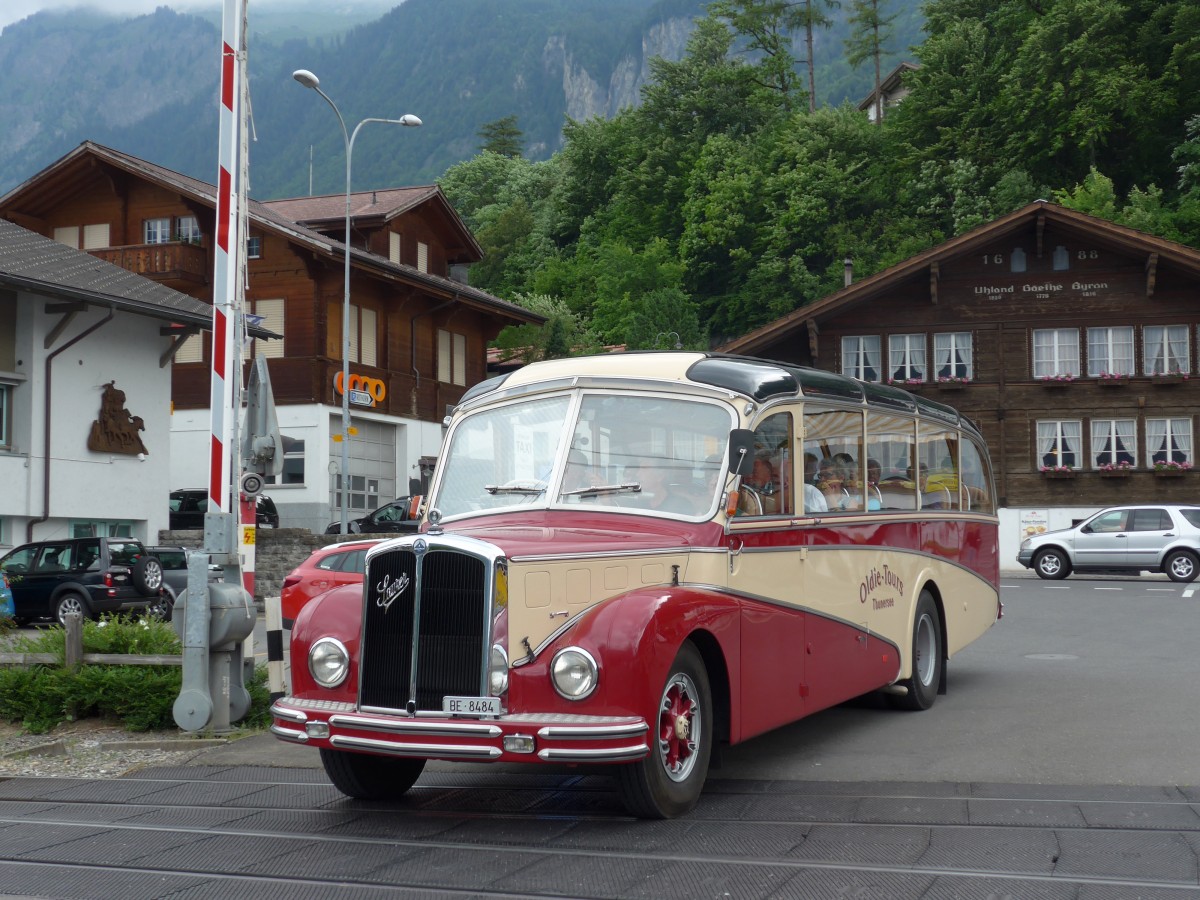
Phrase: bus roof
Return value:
(760, 380)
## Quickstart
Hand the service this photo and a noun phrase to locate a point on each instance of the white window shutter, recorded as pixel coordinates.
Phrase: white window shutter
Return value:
(68, 235)
(272, 313)
(394, 247)
(370, 356)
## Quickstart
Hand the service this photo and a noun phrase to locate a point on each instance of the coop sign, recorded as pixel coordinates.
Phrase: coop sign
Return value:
(363, 391)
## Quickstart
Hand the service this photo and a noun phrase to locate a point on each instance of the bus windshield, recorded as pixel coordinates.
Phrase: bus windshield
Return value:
(654, 454)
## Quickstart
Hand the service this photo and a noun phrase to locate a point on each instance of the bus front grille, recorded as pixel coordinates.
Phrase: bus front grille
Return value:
(445, 593)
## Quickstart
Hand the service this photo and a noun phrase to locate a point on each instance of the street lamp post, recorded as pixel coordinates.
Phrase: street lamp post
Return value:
(309, 80)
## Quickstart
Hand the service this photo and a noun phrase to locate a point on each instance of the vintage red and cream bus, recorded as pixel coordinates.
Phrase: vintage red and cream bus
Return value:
(627, 559)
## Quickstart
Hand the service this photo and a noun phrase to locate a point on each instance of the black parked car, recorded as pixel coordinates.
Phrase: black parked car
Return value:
(401, 516)
(175, 575)
(189, 506)
(89, 576)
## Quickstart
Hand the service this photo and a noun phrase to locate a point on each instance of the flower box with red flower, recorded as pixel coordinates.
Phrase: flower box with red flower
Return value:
(1115, 470)
(1169, 377)
(1058, 471)
(1112, 379)
(952, 382)
(1171, 469)
(1056, 381)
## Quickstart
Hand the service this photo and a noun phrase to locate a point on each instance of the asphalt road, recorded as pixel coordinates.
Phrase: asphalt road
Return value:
(1061, 764)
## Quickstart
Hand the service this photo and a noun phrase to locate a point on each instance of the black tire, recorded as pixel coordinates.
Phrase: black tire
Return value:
(668, 782)
(1181, 566)
(67, 602)
(163, 606)
(147, 575)
(1052, 564)
(365, 777)
(928, 658)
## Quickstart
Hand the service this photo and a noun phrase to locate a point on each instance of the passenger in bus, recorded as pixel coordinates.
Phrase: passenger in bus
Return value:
(664, 491)
(831, 482)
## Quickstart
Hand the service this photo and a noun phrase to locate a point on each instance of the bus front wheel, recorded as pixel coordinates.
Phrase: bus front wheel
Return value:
(928, 657)
(365, 777)
(667, 783)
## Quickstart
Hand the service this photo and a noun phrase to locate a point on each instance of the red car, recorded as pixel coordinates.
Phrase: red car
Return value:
(325, 568)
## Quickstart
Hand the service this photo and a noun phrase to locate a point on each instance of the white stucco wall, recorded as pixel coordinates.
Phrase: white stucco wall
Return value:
(85, 485)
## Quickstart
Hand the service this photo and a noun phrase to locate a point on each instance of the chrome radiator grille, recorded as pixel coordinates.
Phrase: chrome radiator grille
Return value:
(445, 593)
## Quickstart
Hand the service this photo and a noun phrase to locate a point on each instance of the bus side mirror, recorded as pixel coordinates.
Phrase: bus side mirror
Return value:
(741, 451)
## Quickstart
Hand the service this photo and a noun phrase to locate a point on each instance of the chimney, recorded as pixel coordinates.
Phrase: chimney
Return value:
(373, 198)
(848, 265)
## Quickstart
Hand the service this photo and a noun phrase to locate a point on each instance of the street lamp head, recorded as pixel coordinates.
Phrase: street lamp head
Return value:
(308, 79)
(408, 119)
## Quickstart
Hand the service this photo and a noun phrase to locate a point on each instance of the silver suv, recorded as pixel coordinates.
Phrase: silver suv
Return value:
(1122, 539)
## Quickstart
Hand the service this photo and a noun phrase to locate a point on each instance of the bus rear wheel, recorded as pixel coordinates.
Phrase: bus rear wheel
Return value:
(667, 783)
(928, 657)
(365, 777)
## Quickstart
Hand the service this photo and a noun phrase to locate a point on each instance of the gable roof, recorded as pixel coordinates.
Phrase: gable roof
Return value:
(377, 208)
(1108, 235)
(31, 262)
(888, 83)
(78, 166)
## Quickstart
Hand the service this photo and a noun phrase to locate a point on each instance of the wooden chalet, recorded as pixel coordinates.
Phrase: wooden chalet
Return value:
(419, 332)
(1070, 341)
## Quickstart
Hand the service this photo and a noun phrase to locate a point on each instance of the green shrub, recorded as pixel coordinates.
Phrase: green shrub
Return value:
(142, 698)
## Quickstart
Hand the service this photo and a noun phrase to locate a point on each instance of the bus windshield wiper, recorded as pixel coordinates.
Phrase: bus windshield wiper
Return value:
(518, 488)
(629, 487)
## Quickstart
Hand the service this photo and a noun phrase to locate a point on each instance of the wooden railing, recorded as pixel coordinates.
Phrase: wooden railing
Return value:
(74, 655)
(178, 262)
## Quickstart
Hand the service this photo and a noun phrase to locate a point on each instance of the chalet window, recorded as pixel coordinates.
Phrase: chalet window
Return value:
(187, 230)
(452, 357)
(952, 355)
(1055, 352)
(1114, 441)
(96, 236)
(1165, 349)
(1110, 351)
(860, 357)
(156, 231)
(906, 357)
(1058, 443)
(1169, 440)
(422, 257)
(192, 350)
(394, 247)
(68, 235)
(363, 335)
(254, 247)
(272, 313)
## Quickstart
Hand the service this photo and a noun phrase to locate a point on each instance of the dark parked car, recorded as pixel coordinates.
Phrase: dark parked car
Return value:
(189, 506)
(175, 575)
(89, 576)
(1124, 539)
(401, 516)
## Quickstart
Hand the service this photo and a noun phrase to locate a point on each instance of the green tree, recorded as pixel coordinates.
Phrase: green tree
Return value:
(502, 137)
(564, 333)
(767, 27)
(871, 29)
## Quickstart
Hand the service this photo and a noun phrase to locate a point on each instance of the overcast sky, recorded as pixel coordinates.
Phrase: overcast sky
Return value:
(15, 10)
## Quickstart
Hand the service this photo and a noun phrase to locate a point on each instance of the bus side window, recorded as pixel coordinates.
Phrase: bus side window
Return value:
(976, 480)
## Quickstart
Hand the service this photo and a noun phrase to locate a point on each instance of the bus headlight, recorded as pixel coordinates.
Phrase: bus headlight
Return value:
(497, 671)
(328, 662)
(574, 673)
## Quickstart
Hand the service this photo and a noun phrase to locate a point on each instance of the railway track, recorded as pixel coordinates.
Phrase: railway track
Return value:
(250, 832)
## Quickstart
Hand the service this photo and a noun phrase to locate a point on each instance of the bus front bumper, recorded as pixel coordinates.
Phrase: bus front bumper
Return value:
(518, 738)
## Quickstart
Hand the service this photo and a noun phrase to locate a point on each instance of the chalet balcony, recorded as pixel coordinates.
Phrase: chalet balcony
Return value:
(176, 264)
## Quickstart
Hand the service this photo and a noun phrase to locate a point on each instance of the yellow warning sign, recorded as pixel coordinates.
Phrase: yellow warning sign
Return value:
(248, 534)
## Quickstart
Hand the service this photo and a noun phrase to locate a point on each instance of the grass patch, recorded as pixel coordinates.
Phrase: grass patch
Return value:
(140, 697)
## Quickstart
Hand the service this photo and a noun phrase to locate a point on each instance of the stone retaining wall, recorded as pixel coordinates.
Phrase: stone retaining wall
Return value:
(278, 551)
